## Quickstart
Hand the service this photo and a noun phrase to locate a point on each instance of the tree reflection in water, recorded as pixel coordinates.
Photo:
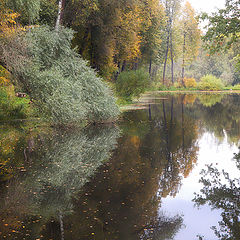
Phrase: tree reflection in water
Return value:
(52, 189)
(56, 166)
(220, 191)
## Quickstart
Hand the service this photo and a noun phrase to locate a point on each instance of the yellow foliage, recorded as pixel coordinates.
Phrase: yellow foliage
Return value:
(190, 82)
(190, 99)
(8, 23)
(128, 37)
(135, 140)
(4, 82)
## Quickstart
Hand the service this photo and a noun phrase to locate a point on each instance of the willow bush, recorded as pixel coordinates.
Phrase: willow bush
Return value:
(62, 85)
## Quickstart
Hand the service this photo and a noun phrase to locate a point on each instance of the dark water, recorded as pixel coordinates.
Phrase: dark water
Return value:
(133, 180)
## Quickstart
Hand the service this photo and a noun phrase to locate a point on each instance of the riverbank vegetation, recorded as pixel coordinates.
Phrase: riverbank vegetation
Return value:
(69, 58)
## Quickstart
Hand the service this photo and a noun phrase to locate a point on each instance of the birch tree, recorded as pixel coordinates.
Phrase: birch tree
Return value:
(61, 5)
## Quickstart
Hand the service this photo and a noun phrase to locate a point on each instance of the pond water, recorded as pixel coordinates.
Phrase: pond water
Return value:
(133, 180)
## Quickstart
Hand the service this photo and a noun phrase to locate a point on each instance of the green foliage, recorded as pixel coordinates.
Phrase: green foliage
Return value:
(178, 84)
(4, 72)
(64, 88)
(132, 83)
(210, 82)
(219, 65)
(235, 87)
(48, 12)
(209, 100)
(223, 34)
(28, 9)
(223, 27)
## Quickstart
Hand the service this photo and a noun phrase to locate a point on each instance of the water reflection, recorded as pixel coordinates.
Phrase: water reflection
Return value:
(55, 166)
(108, 182)
(221, 191)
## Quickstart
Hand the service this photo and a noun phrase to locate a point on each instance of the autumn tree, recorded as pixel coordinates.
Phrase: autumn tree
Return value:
(190, 36)
(116, 35)
(153, 25)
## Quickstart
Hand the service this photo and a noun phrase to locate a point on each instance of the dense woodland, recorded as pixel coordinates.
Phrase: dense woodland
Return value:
(80, 53)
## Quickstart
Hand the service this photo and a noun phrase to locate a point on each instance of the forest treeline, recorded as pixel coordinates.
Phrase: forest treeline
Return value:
(119, 34)
(132, 44)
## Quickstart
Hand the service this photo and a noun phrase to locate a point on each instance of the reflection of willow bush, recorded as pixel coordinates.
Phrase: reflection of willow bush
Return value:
(209, 100)
(69, 162)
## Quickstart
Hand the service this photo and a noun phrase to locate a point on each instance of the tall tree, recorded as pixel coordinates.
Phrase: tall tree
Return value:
(61, 5)
(190, 36)
(223, 29)
(115, 34)
(152, 30)
(171, 8)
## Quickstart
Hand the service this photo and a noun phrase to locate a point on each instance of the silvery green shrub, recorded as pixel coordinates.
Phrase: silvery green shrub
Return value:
(64, 88)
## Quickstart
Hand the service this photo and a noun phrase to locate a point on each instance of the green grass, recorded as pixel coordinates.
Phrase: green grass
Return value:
(235, 87)
(12, 107)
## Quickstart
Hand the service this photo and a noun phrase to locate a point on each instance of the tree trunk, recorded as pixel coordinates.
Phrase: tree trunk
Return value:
(149, 112)
(183, 131)
(172, 69)
(166, 133)
(165, 61)
(61, 5)
(61, 225)
(183, 63)
(123, 65)
(171, 51)
(150, 67)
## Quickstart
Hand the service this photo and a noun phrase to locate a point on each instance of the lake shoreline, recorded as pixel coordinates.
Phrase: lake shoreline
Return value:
(146, 98)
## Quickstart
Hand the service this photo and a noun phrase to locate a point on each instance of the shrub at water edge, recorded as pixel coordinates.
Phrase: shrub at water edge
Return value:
(210, 82)
(190, 83)
(132, 83)
(64, 88)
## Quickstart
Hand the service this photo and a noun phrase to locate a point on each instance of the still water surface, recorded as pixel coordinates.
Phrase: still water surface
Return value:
(133, 180)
